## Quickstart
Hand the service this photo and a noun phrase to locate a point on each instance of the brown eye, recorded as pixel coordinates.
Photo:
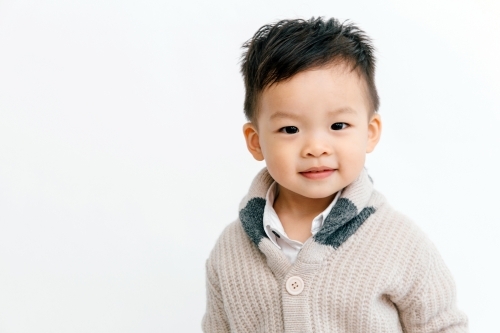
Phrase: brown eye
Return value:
(339, 126)
(289, 129)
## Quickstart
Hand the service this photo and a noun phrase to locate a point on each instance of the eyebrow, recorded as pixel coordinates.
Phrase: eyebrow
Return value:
(343, 110)
(281, 114)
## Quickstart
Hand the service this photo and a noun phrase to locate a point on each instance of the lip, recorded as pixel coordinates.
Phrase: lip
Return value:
(317, 172)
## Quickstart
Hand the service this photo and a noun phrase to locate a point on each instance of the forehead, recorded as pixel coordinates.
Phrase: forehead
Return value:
(324, 89)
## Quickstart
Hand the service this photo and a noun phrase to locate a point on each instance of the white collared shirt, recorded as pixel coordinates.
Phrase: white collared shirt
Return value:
(274, 228)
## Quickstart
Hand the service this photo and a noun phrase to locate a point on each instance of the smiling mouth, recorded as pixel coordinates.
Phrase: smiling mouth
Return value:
(317, 172)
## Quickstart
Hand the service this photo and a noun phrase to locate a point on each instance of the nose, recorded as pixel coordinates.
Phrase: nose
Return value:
(316, 146)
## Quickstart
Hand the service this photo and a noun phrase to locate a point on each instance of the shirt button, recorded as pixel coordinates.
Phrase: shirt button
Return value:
(294, 285)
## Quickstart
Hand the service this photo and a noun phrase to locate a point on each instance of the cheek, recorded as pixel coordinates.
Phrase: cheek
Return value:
(278, 157)
(272, 148)
(353, 152)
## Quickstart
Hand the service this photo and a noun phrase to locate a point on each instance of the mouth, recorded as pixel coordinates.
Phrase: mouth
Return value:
(317, 172)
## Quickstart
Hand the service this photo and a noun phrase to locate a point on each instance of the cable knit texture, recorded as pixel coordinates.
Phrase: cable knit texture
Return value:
(369, 269)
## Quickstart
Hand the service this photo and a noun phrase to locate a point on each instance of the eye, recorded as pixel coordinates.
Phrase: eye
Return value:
(339, 126)
(289, 129)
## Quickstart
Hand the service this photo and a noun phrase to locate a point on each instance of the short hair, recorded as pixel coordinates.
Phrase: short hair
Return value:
(279, 51)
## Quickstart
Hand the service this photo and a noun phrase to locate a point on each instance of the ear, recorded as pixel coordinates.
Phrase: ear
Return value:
(374, 131)
(252, 139)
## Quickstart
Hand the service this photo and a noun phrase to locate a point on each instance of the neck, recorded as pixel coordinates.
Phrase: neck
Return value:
(299, 206)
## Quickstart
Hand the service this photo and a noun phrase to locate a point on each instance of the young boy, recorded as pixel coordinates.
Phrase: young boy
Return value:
(316, 248)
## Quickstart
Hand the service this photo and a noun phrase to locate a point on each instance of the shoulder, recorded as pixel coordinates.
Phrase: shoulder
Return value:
(392, 237)
(421, 285)
(404, 244)
(232, 245)
(229, 238)
(394, 226)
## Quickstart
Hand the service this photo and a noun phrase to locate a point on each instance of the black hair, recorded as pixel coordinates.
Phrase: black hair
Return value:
(279, 51)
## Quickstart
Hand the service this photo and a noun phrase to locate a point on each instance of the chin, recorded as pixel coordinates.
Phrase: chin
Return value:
(317, 194)
(323, 196)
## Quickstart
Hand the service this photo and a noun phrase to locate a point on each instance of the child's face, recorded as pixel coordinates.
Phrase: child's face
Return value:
(320, 119)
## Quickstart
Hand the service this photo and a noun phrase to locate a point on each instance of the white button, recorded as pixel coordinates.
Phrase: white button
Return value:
(294, 285)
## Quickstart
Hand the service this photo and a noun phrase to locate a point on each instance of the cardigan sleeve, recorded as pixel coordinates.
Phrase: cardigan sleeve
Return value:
(430, 304)
(215, 318)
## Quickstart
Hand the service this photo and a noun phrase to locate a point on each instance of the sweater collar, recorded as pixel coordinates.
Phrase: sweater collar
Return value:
(272, 224)
(347, 215)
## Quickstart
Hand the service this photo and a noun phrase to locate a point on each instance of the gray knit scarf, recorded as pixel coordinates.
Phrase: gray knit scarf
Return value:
(348, 214)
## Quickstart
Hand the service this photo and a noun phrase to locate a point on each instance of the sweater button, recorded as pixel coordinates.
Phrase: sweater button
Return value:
(294, 285)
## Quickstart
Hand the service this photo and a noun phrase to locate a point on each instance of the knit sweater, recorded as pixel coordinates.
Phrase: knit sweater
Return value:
(368, 269)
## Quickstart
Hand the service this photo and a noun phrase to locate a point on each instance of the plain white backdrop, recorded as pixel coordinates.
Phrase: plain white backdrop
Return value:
(122, 156)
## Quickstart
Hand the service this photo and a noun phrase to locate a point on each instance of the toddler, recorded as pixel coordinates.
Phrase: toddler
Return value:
(316, 248)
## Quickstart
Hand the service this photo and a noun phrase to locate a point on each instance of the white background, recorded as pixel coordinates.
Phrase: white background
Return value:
(122, 157)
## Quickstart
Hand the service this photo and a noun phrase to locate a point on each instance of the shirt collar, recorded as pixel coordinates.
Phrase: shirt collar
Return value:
(272, 223)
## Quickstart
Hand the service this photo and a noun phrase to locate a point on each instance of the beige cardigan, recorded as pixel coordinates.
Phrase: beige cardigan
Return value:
(369, 269)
